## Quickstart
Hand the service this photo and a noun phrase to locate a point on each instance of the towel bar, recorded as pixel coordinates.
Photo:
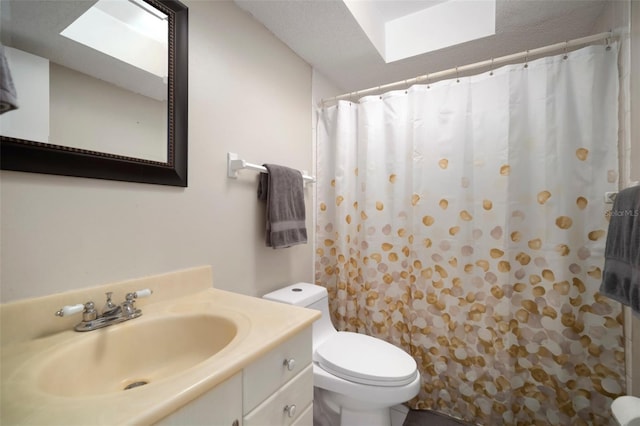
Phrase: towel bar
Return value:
(610, 197)
(235, 163)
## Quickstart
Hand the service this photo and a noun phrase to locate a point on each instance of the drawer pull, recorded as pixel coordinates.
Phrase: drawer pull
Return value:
(290, 364)
(290, 410)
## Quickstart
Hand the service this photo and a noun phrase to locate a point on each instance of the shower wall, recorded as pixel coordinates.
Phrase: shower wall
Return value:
(632, 334)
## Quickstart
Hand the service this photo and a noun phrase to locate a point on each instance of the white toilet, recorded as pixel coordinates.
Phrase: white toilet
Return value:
(356, 378)
(626, 410)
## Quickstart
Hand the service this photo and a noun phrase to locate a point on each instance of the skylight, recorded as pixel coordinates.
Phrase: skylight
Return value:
(128, 30)
(400, 29)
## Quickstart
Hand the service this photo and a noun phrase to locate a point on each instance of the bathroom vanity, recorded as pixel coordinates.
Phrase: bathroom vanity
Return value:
(277, 389)
(197, 355)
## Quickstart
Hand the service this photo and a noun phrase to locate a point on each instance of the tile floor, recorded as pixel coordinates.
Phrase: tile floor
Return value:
(428, 418)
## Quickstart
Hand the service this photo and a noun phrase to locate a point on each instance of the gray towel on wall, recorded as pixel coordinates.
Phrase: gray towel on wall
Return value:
(8, 96)
(621, 275)
(283, 190)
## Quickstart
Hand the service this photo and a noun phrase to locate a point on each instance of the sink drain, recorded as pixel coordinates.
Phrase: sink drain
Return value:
(135, 384)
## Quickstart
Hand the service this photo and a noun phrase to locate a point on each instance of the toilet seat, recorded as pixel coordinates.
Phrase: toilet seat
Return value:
(366, 360)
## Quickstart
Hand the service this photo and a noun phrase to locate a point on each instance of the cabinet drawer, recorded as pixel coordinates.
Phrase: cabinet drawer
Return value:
(262, 378)
(286, 405)
(306, 418)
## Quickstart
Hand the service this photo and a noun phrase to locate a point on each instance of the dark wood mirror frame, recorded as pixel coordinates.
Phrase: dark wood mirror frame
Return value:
(29, 156)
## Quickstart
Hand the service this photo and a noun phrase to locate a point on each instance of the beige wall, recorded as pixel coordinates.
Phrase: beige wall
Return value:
(248, 93)
(84, 110)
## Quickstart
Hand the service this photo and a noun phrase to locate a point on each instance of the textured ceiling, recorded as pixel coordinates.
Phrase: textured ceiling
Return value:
(325, 34)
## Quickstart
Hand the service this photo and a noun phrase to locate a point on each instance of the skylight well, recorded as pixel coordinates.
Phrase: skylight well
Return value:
(401, 29)
(141, 33)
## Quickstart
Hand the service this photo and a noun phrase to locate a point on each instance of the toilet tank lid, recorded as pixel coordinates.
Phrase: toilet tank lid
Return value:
(300, 294)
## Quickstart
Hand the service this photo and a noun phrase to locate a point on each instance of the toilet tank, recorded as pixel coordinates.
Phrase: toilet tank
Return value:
(309, 296)
(300, 294)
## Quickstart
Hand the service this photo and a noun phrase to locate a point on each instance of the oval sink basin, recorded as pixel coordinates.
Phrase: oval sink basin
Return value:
(133, 353)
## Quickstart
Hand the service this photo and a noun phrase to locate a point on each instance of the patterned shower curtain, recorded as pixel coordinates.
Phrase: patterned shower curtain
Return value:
(465, 222)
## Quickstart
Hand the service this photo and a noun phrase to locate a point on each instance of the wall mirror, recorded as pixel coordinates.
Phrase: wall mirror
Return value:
(101, 88)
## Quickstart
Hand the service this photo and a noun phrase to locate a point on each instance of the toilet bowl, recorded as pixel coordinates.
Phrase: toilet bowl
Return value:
(357, 378)
(626, 410)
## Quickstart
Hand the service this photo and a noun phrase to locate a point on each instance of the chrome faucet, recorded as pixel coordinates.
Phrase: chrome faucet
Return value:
(110, 308)
(111, 313)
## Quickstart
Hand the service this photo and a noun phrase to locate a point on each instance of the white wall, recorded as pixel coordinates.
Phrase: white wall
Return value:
(438, 27)
(248, 93)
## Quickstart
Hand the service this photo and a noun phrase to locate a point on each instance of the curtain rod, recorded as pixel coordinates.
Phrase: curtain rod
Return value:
(429, 78)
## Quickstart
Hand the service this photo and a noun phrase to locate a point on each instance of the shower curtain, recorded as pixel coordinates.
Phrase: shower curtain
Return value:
(465, 222)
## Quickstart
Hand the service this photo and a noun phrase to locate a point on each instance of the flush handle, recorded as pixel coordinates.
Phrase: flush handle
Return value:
(290, 410)
(290, 363)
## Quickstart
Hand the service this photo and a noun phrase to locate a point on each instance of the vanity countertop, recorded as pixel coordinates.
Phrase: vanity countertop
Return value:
(261, 325)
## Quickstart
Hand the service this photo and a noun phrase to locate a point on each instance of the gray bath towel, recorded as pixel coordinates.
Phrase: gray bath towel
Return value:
(621, 276)
(283, 190)
(8, 96)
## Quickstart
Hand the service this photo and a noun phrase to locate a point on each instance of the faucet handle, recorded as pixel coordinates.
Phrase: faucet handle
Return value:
(129, 305)
(70, 310)
(88, 310)
(145, 292)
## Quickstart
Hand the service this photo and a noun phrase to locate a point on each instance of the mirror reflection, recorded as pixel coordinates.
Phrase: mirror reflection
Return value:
(88, 74)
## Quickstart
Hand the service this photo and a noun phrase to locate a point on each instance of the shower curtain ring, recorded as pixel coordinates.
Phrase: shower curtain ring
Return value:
(428, 85)
(491, 67)
(526, 59)
(457, 76)
(566, 45)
